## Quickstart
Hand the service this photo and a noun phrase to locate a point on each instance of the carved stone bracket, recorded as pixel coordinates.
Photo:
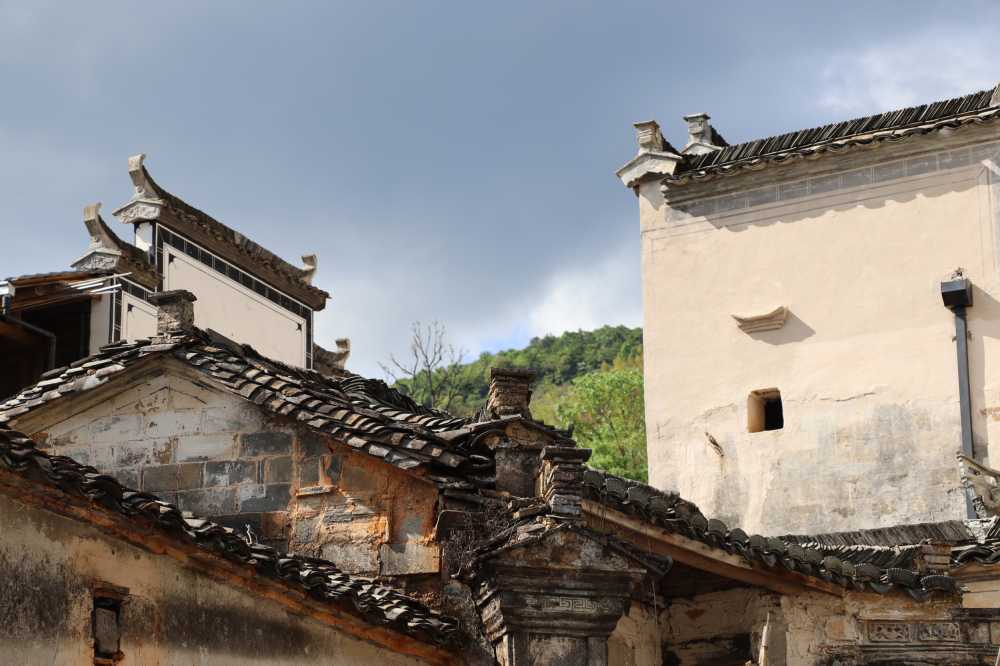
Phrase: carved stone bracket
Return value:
(769, 321)
(982, 485)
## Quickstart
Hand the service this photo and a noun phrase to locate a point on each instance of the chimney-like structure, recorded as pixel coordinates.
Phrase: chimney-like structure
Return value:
(702, 137)
(174, 311)
(510, 392)
(562, 479)
(649, 137)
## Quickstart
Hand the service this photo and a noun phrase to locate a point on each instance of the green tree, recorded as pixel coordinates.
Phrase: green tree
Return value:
(605, 408)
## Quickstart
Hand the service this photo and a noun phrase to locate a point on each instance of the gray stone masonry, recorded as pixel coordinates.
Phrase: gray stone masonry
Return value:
(174, 311)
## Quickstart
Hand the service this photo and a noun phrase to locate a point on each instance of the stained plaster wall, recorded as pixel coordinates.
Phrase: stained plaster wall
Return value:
(637, 638)
(217, 455)
(865, 362)
(49, 566)
(816, 629)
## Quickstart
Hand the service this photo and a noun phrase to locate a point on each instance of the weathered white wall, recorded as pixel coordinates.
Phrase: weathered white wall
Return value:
(637, 639)
(139, 320)
(100, 323)
(173, 615)
(218, 455)
(866, 361)
(235, 311)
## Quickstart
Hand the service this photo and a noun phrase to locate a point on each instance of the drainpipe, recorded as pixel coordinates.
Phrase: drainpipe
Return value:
(957, 296)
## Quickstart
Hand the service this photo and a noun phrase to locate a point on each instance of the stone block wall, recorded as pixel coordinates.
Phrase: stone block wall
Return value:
(219, 456)
(208, 452)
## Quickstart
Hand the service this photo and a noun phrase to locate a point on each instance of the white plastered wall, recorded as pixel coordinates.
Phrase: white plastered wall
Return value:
(235, 311)
(865, 363)
(138, 318)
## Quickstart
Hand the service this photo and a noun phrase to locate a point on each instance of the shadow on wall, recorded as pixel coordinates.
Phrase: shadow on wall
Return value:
(984, 332)
(820, 208)
(794, 330)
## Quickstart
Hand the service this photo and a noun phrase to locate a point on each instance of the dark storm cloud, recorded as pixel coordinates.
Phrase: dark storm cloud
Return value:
(449, 161)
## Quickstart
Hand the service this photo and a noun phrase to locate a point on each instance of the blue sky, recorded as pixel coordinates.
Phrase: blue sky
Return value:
(446, 161)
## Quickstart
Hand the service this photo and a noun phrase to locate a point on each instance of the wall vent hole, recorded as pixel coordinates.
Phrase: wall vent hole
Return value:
(764, 410)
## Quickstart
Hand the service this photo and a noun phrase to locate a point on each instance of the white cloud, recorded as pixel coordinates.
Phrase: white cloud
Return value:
(588, 296)
(912, 69)
(585, 296)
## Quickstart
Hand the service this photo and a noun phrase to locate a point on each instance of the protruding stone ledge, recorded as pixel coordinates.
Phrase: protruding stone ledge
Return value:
(769, 321)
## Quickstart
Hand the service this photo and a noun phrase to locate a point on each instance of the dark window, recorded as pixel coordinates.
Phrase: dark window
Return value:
(764, 410)
(106, 621)
(70, 323)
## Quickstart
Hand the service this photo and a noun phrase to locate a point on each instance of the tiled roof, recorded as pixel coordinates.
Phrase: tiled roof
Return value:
(318, 578)
(524, 531)
(365, 414)
(970, 540)
(245, 252)
(65, 274)
(975, 108)
(670, 512)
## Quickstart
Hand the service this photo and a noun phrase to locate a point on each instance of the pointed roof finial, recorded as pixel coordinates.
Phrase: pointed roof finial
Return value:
(92, 212)
(137, 172)
(310, 262)
(100, 235)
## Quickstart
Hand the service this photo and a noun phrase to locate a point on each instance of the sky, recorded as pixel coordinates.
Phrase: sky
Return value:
(447, 161)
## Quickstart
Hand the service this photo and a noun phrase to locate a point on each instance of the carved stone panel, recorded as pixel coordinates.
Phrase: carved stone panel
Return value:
(882, 632)
(137, 211)
(938, 631)
(927, 641)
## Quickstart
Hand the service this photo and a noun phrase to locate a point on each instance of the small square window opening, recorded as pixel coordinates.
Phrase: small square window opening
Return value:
(764, 410)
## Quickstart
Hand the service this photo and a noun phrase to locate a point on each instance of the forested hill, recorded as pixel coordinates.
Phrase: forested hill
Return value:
(557, 359)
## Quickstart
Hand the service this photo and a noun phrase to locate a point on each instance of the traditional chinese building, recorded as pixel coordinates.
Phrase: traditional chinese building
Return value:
(806, 297)
(176, 491)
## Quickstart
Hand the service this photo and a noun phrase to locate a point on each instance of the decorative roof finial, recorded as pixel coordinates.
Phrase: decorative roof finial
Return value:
(92, 220)
(136, 171)
(702, 137)
(648, 136)
(310, 262)
(100, 235)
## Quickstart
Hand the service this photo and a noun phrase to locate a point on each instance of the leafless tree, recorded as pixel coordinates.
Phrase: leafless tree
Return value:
(434, 369)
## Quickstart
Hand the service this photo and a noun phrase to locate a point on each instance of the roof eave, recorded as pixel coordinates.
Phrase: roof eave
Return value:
(648, 164)
(834, 147)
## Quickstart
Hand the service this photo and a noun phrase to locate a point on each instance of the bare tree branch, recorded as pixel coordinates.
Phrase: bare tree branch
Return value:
(433, 375)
